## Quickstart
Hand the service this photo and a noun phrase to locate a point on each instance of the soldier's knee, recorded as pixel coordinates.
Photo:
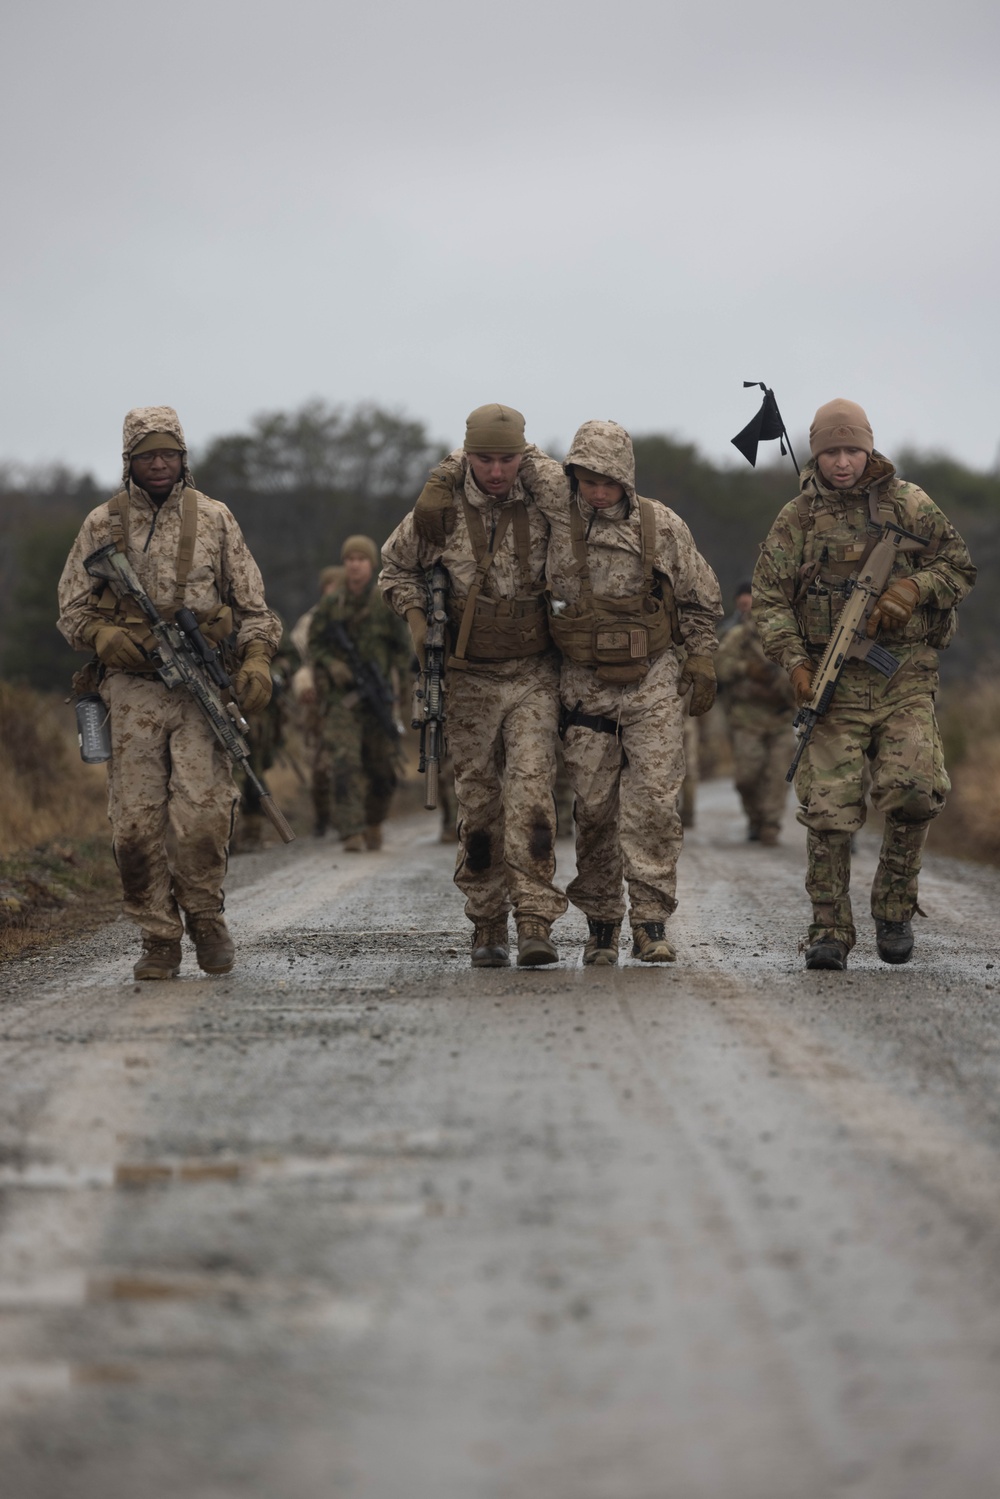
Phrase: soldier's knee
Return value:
(911, 804)
(478, 850)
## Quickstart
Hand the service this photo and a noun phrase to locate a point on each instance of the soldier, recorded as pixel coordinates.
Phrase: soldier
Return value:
(759, 706)
(629, 590)
(502, 682)
(357, 759)
(167, 771)
(812, 552)
(303, 699)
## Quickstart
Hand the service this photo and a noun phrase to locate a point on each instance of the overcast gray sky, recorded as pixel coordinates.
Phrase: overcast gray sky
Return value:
(580, 209)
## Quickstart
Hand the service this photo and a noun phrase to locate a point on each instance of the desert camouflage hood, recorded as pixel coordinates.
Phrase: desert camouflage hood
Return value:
(142, 420)
(605, 448)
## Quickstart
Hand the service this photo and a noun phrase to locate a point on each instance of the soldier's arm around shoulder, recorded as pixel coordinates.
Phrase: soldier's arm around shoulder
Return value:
(544, 479)
(945, 572)
(775, 581)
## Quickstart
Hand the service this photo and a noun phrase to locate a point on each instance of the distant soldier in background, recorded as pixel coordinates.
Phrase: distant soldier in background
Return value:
(303, 698)
(760, 704)
(357, 763)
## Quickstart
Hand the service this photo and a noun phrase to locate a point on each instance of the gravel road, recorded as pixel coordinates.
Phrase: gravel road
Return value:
(357, 1221)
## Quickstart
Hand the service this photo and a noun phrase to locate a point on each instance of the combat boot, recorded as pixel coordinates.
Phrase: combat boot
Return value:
(373, 837)
(490, 943)
(649, 943)
(894, 940)
(602, 944)
(354, 843)
(827, 952)
(161, 958)
(213, 945)
(534, 945)
(768, 837)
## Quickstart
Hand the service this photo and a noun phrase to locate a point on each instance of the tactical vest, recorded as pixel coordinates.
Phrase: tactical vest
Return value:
(126, 611)
(618, 636)
(490, 630)
(839, 535)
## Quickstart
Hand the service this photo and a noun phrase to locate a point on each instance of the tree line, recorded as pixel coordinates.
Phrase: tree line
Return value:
(300, 482)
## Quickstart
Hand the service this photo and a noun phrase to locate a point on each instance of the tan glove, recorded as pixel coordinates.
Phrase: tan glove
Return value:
(252, 683)
(416, 620)
(434, 512)
(893, 609)
(340, 673)
(116, 647)
(698, 673)
(218, 626)
(801, 678)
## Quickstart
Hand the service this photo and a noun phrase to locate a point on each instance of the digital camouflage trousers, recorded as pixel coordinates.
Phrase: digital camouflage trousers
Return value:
(356, 768)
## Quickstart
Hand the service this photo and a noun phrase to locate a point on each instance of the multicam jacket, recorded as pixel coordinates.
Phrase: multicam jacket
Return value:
(379, 635)
(816, 544)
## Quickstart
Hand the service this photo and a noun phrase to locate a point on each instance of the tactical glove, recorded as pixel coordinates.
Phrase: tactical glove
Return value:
(339, 672)
(893, 609)
(801, 676)
(116, 647)
(698, 673)
(416, 620)
(434, 512)
(252, 683)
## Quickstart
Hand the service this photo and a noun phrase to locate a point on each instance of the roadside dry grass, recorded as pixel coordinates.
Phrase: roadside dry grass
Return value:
(970, 725)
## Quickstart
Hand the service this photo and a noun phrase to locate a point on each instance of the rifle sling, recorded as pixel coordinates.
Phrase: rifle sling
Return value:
(118, 510)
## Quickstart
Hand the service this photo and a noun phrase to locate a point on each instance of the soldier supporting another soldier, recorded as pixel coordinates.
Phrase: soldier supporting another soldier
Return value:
(628, 591)
(357, 761)
(167, 771)
(812, 552)
(759, 707)
(502, 682)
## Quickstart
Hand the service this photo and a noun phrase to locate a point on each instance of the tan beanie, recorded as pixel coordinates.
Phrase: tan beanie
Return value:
(155, 442)
(360, 544)
(494, 429)
(840, 424)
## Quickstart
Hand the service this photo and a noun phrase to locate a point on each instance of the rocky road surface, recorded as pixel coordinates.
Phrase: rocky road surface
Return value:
(357, 1221)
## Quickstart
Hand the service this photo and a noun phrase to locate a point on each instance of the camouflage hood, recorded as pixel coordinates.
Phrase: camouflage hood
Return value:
(605, 448)
(877, 470)
(142, 420)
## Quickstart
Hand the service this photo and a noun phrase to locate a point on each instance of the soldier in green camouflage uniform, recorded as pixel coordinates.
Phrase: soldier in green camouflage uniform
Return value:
(759, 705)
(814, 548)
(356, 760)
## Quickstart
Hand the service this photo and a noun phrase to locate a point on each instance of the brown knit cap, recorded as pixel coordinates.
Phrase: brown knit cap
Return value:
(360, 544)
(840, 424)
(494, 429)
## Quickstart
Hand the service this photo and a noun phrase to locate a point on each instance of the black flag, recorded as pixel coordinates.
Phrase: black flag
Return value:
(764, 427)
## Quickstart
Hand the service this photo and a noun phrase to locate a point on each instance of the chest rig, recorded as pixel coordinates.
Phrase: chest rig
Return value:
(488, 630)
(126, 611)
(618, 636)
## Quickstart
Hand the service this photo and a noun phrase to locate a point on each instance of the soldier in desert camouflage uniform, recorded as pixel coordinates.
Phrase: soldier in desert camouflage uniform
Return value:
(502, 682)
(167, 771)
(630, 596)
(813, 550)
(759, 707)
(356, 760)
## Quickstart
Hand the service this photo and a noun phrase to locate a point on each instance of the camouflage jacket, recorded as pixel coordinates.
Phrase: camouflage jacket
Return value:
(380, 637)
(814, 547)
(747, 697)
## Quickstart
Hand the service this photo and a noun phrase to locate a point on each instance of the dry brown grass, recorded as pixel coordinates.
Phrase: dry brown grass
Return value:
(970, 724)
(46, 791)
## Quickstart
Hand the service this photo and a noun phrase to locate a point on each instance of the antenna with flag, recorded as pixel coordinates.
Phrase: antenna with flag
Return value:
(764, 427)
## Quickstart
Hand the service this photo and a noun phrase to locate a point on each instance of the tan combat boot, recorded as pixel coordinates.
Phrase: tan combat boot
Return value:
(490, 947)
(373, 837)
(649, 943)
(354, 843)
(534, 945)
(602, 944)
(161, 958)
(213, 945)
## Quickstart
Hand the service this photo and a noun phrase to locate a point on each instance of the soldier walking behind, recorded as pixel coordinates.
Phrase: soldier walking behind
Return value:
(168, 774)
(628, 589)
(759, 707)
(357, 759)
(812, 554)
(502, 682)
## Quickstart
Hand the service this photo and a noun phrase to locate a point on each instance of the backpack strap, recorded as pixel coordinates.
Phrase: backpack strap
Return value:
(118, 512)
(485, 553)
(185, 548)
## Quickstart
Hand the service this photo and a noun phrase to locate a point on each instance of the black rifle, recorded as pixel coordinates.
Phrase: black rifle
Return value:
(184, 658)
(373, 689)
(849, 640)
(428, 699)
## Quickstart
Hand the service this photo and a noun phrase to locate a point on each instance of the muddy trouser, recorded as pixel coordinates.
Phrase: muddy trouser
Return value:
(502, 728)
(891, 724)
(762, 754)
(355, 766)
(627, 789)
(171, 802)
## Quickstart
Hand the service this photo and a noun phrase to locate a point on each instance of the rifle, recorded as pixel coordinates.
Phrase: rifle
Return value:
(848, 641)
(428, 699)
(184, 658)
(373, 689)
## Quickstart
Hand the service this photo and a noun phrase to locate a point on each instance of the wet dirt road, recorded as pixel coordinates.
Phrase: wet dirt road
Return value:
(356, 1221)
